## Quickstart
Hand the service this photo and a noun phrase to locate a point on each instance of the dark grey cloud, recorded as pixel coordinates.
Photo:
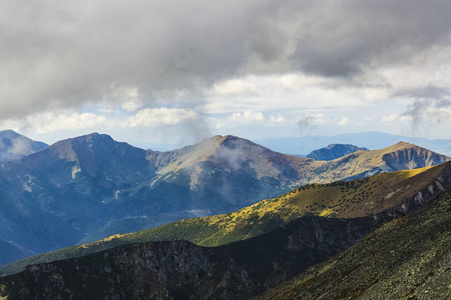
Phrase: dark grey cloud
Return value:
(65, 53)
(428, 109)
(309, 122)
(427, 92)
(344, 38)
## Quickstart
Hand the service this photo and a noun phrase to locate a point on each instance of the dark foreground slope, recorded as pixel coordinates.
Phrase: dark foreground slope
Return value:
(407, 258)
(182, 270)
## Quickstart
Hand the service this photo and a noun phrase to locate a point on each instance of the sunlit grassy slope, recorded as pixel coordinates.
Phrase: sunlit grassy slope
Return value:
(357, 198)
(406, 258)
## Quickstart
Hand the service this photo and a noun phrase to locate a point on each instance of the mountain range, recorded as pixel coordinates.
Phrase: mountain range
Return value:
(90, 187)
(371, 140)
(277, 240)
(96, 190)
(383, 195)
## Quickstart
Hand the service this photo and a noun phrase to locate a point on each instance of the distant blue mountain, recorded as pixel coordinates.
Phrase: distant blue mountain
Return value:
(371, 140)
(334, 151)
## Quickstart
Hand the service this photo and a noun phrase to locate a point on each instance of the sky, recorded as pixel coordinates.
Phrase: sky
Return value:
(163, 73)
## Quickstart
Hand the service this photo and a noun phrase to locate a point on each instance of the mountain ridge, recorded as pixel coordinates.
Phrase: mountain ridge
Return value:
(240, 270)
(371, 140)
(381, 197)
(95, 187)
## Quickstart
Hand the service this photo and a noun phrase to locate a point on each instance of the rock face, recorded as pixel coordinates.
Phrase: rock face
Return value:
(14, 146)
(407, 258)
(90, 187)
(334, 151)
(182, 270)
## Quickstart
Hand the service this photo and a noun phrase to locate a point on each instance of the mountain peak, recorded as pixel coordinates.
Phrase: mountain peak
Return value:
(334, 151)
(88, 138)
(9, 133)
(402, 143)
(14, 145)
(404, 146)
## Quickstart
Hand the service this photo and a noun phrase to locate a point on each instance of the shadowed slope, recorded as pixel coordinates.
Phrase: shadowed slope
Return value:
(182, 270)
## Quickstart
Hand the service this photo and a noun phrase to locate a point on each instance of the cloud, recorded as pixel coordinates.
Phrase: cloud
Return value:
(234, 87)
(157, 117)
(344, 121)
(131, 105)
(310, 121)
(389, 118)
(64, 54)
(427, 92)
(431, 102)
(247, 117)
(427, 109)
(277, 119)
(51, 122)
(438, 114)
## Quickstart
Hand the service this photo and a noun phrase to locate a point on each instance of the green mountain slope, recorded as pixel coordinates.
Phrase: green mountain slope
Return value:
(407, 258)
(381, 196)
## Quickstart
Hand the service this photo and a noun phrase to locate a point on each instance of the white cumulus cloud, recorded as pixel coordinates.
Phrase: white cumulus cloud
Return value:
(390, 118)
(51, 122)
(247, 117)
(234, 87)
(155, 117)
(344, 121)
(277, 119)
